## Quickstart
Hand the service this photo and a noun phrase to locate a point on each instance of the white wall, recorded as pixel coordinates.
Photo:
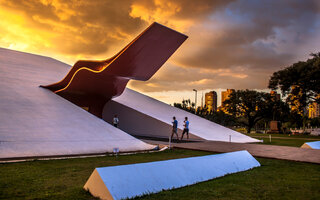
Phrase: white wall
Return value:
(162, 112)
(36, 122)
(137, 123)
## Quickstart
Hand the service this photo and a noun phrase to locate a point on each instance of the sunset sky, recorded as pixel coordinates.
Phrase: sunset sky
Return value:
(232, 44)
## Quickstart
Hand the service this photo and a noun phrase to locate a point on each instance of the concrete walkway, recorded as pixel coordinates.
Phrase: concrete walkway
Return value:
(259, 150)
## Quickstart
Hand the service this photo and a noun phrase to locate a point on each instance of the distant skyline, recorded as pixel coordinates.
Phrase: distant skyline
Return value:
(234, 44)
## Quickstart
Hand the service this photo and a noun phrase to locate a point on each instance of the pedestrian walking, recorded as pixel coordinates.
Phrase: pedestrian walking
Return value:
(186, 127)
(174, 128)
(115, 121)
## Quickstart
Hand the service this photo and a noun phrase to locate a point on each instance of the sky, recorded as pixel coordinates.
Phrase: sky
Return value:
(234, 44)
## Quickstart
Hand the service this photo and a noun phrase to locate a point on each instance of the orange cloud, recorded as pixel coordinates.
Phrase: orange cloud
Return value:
(17, 33)
(67, 30)
(163, 12)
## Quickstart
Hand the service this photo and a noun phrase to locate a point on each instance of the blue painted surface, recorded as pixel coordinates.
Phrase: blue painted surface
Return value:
(127, 181)
(314, 145)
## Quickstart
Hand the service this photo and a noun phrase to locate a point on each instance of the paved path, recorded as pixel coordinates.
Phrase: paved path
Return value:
(285, 138)
(259, 150)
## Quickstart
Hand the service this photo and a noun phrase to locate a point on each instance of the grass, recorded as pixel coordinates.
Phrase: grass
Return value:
(275, 179)
(64, 179)
(311, 137)
(284, 139)
(283, 142)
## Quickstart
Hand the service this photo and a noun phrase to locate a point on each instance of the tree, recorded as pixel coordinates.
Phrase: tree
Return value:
(249, 106)
(178, 105)
(300, 82)
(186, 105)
(223, 119)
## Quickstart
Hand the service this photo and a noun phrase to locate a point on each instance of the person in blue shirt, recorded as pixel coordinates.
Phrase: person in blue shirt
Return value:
(174, 128)
(186, 128)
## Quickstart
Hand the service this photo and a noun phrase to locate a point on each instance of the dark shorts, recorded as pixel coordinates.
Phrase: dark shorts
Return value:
(174, 130)
(115, 125)
(186, 130)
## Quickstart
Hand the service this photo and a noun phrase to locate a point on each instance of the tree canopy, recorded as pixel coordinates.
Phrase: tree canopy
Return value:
(300, 82)
(249, 105)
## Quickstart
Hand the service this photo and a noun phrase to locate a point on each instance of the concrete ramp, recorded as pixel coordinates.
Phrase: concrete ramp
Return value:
(145, 116)
(36, 122)
(128, 181)
(311, 145)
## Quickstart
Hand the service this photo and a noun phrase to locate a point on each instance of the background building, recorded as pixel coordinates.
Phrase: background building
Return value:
(225, 95)
(211, 100)
(294, 103)
(314, 109)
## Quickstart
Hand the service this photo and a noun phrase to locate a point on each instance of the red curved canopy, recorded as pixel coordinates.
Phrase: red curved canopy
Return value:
(92, 83)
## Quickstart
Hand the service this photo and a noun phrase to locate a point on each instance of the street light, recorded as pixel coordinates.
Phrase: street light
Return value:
(195, 104)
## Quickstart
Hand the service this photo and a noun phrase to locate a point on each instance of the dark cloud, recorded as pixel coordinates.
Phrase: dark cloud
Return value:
(259, 36)
(247, 34)
(240, 45)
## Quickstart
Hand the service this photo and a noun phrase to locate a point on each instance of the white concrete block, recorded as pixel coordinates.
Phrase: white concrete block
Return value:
(128, 181)
(311, 145)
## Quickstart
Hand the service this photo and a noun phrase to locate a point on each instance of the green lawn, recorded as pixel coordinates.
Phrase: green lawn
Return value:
(283, 142)
(312, 137)
(64, 179)
(284, 139)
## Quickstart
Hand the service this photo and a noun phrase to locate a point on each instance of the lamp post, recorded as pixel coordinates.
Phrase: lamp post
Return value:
(195, 104)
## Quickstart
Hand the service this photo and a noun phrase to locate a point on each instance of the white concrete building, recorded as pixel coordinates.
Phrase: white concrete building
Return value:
(36, 122)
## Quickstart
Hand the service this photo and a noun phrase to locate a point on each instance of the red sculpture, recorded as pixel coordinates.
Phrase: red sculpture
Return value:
(92, 83)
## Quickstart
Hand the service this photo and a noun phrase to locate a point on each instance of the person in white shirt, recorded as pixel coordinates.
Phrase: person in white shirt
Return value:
(115, 121)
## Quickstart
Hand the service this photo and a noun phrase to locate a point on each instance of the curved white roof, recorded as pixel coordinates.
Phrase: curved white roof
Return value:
(36, 122)
(313, 145)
